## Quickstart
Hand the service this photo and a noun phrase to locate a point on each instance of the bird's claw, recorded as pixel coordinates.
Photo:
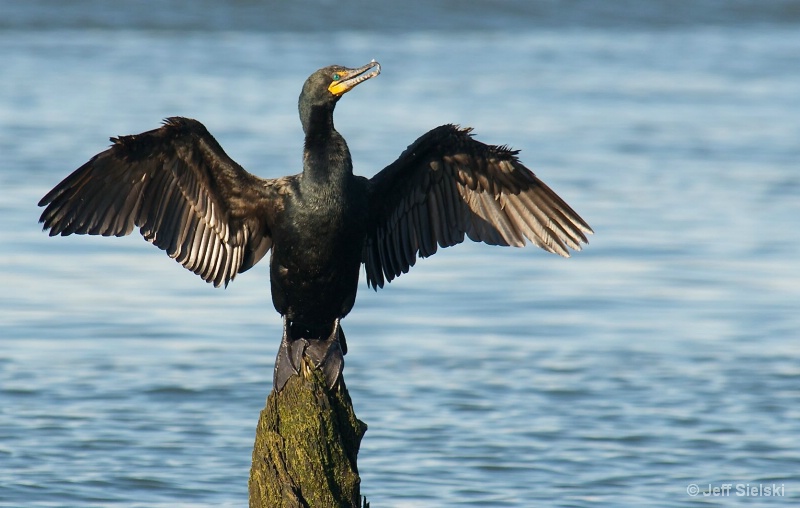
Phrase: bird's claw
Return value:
(325, 354)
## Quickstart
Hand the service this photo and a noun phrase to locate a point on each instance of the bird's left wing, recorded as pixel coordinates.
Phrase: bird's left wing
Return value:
(447, 184)
(180, 188)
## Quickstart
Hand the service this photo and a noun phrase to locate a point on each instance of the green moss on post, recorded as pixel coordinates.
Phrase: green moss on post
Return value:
(306, 446)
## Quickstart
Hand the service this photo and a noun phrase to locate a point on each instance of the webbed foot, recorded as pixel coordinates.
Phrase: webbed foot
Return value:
(289, 359)
(326, 354)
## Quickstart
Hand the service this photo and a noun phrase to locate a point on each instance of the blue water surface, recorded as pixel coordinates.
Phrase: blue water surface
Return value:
(664, 356)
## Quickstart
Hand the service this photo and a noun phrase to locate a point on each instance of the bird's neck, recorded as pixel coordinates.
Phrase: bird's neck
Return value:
(326, 158)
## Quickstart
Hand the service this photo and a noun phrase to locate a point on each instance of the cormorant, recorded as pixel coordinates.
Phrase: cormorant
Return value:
(187, 197)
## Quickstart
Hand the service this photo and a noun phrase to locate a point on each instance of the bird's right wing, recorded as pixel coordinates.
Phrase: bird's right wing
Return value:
(180, 188)
(447, 185)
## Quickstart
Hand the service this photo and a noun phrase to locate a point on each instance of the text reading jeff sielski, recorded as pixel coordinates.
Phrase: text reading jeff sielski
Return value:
(737, 489)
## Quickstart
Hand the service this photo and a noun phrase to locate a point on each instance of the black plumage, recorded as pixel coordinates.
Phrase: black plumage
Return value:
(187, 197)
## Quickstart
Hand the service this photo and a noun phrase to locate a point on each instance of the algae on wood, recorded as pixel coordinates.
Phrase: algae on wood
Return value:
(306, 447)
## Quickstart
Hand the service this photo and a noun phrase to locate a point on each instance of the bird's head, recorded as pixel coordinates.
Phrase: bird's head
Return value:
(330, 83)
(323, 89)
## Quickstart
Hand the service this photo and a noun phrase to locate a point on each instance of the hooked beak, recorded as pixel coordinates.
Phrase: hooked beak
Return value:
(349, 78)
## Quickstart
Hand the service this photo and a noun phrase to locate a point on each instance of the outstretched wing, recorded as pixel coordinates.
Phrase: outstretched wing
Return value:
(447, 184)
(180, 188)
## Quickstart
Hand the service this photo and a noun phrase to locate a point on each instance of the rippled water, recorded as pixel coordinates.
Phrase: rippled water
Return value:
(664, 355)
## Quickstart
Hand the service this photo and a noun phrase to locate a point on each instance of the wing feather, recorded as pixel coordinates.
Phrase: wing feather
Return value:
(183, 192)
(447, 186)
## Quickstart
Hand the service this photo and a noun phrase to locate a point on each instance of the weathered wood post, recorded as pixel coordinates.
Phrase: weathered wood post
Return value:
(306, 446)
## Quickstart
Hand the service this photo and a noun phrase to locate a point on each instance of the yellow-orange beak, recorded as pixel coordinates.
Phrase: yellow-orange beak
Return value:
(345, 80)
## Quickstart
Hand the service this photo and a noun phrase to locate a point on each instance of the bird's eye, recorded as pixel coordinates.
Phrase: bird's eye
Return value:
(337, 77)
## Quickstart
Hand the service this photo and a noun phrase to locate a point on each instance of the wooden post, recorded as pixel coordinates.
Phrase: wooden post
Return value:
(306, 447)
